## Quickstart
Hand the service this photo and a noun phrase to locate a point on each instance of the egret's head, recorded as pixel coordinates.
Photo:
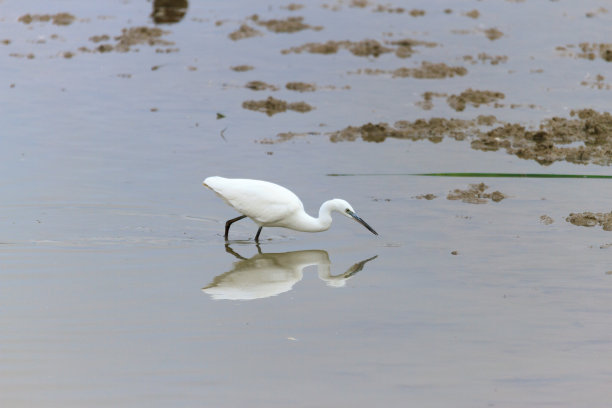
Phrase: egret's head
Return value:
(345, 209)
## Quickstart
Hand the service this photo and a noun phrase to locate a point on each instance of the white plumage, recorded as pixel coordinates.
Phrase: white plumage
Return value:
(271, 205)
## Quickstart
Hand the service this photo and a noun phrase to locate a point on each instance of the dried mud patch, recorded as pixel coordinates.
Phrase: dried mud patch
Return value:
(57, 19)
(434, 130)
(427, 70)
(485, 58)
(291, 86)
(475, 194)
(260, 86)
(288, 25)
(242, 68)
(597, 83)
(293, 6)
(585, 50)
(589, 132)
(406, 47)
(428, 196)
(365, 48)
(468, 97)
(129, 38)
(590, 219)
(493, 34)
(272, 106)
(301, 87)
(474, 98)
(244, 31)
(584, 138)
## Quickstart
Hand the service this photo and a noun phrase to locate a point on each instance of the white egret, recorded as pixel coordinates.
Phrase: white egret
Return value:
(271, 205)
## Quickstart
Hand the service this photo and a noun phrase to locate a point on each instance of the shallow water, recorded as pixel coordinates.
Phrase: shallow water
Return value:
(108, 237)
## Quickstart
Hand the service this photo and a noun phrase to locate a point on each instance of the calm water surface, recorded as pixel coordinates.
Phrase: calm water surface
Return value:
(117, 288)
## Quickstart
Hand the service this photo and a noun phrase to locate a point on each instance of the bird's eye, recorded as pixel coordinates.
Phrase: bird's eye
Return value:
(347, 211)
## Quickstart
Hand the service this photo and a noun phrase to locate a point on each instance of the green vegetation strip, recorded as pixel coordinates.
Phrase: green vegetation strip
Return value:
(509, 175)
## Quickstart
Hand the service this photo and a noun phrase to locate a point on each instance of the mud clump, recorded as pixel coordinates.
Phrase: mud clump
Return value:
(597, 83)
(293, 6)
(427, 102)
(99, 38)
(546, 220)
(288, 25)
(434, 130)
(428, 196)
(57, 19)
(273, 106)
(484, 58)
(242, 68)
(130, 37)
(365, 48)
(590, 219)
(493, 34)
(260, 86)
(330, 47)
(301, 107)
(405, 47)
(140, 35)
(546, 145)
(588, 51)
(427, 70)
(368, 48)
(388, 9)
(475, 194)
(300, 87)
(245, 31)
(474, 98)
(473, 14)
(584, 138)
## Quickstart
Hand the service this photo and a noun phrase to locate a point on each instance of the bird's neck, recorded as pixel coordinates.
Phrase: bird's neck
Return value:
(312, 224)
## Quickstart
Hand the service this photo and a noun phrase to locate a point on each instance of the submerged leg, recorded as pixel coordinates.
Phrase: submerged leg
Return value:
(257, 235)
(230, 222)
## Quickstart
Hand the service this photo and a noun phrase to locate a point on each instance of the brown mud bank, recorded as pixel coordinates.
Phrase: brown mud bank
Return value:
(427, 70)
(296, 86)
(460, 101)
(273, 106)
(287, 25)
(584, 138)
(365, 48)
(590, 219)
(475, 194)
(57, 19)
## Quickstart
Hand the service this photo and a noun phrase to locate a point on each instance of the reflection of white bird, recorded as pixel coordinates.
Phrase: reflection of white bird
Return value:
(270, 274)
(271, 205)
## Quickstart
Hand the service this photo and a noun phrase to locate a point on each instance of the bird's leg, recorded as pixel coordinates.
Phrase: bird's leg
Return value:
(230, 222)
(257, 235)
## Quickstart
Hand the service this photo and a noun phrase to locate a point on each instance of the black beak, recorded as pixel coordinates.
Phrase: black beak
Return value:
(362, 222)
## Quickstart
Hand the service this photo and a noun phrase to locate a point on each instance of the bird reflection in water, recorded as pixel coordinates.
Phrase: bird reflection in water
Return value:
(270, 274)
